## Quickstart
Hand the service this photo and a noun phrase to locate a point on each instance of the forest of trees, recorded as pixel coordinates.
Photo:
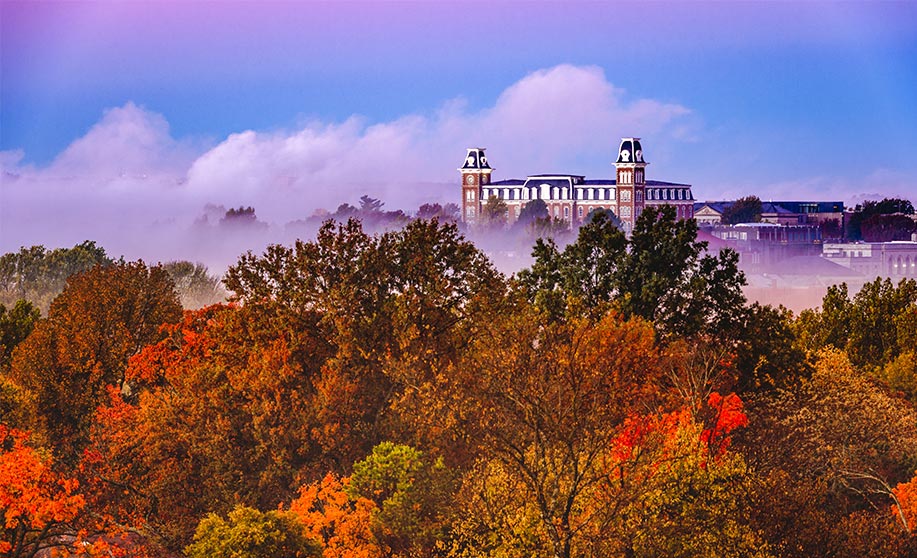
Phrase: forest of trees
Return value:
(392, 395)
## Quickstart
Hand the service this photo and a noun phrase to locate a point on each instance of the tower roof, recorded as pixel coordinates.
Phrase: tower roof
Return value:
(630, 151)
(475, 160)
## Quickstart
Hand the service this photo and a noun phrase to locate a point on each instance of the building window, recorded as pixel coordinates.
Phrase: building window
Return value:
(625, 212)
(469, 195)
(625, 195)
(579, 211)
(639, 196)
(566, 212)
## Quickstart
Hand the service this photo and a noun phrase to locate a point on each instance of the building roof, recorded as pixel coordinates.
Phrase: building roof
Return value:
(771, 208)
(807, 206)
(557, 175)
(667, 184)
(475, 159)
(508, 182)
(630, 151)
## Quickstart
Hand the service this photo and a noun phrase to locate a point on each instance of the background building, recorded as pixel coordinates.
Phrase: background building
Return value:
(571, 197)
(897, 259)
(777, 212)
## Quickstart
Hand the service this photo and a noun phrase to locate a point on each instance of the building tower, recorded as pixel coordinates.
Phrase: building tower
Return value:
(631, 181)
(475, 173)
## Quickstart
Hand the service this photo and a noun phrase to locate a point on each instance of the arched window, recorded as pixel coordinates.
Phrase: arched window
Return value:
(566, 212)
(579, 211)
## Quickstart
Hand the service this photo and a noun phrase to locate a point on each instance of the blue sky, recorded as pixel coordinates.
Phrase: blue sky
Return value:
(261, 103)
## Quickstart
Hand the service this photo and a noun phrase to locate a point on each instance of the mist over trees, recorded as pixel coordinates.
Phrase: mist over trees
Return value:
(392, 394)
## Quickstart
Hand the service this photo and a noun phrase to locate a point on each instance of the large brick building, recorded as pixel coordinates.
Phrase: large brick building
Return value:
(571, 197)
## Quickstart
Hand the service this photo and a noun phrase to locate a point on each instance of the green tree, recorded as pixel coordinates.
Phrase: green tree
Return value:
(874, 327)
(411, 494)
(743, 210)
(494, 214)
(15, 325)
(887, 228)
(249, 533)
(195, 285)
(584, 270)
(535, 209)
(665, 278)
(871, 209)
(768, 354)
(38, 275)
(660, 274)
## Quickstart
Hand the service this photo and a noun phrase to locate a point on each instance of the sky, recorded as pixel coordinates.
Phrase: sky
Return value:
(127, 122)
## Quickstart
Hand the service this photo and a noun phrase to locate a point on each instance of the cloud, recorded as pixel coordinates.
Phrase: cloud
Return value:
(550, 119)
(127, 140)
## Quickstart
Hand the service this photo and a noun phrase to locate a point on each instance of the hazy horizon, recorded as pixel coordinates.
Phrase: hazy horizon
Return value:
(122, 122)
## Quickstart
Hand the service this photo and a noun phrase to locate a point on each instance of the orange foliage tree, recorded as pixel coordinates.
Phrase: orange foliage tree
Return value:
(103, 317)
(341, 524)
(37, 506)
(222, 416)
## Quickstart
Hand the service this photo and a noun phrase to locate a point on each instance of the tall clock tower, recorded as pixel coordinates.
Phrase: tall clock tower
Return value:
(475, 173)
(630, 182)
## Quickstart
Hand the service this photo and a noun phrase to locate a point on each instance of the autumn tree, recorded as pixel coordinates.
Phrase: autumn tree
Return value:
(540, 401)
(101, 319)
(678, 489)
(388, 310)
(221, 416)
(37, 505)
(339, 523)
(828, 453)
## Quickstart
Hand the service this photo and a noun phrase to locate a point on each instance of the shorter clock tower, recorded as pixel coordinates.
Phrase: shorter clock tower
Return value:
(630, 181)
(475, 173)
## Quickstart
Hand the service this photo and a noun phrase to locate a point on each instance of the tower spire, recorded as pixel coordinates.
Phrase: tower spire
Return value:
(475, 173)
